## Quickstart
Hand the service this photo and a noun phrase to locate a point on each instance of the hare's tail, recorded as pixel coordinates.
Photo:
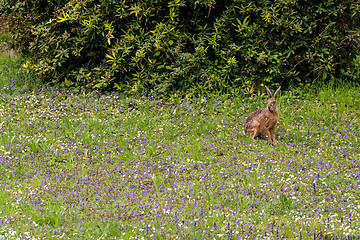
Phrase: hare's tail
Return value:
(245, 132)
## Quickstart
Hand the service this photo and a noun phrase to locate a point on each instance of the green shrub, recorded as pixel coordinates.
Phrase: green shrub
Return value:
(204, 45)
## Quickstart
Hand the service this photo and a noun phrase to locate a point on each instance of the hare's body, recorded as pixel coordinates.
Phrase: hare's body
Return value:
(262, 122)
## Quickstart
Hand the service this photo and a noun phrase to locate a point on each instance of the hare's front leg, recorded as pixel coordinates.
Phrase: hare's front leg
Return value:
(273, 136)
(268, 135)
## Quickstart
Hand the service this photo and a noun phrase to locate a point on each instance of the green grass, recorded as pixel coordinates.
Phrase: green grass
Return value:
(13, 78)
(108, 166)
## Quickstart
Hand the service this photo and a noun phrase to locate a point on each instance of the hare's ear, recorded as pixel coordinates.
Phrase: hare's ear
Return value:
(276, 92)
(268, 92)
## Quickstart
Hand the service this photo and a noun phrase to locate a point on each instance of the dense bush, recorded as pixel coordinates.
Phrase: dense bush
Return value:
(203, 45)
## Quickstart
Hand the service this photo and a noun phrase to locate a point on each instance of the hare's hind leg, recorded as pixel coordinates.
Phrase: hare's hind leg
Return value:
(253, 133)
(255, 130)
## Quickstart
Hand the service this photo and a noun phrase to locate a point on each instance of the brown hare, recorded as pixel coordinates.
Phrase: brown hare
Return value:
(263, 121)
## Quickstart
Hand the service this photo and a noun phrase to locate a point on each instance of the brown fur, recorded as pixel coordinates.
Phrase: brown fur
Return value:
(263, 121)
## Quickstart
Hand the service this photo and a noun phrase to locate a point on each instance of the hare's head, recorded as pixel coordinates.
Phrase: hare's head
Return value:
(271, 104)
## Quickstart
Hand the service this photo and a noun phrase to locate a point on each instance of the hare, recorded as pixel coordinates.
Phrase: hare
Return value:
(263, 121)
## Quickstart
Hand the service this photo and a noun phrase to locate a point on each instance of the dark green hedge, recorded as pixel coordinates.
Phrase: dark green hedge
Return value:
(202, 45)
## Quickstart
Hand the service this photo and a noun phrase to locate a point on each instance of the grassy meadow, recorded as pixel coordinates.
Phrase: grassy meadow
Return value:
(109, 166)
